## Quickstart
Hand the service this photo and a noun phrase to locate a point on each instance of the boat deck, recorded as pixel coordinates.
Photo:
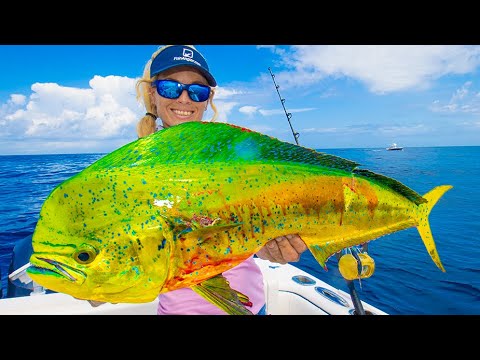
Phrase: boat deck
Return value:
(288, 291)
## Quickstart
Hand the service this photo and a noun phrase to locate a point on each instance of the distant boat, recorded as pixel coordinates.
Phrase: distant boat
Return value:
(394, 147)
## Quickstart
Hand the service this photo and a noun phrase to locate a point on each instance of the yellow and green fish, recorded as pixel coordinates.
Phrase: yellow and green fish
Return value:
(181, 206)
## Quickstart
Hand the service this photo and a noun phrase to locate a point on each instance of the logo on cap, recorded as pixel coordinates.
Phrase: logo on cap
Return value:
(188, 53)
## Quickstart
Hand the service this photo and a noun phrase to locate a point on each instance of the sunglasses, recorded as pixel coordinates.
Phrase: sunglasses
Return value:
(173, 89)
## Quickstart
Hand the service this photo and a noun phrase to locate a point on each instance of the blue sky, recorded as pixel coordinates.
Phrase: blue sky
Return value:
(81, 98)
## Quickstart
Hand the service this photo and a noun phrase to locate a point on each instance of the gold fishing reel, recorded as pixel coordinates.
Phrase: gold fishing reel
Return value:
(356, 264)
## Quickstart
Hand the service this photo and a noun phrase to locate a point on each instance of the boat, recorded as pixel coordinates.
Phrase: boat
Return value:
(394, 147)
(288, 291)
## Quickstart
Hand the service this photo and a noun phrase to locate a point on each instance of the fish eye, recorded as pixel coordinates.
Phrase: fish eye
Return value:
(85, 256)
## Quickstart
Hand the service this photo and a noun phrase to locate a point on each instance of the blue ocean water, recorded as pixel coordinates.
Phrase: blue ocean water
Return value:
(406, 281)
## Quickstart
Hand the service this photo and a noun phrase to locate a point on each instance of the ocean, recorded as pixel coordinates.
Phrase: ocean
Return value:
(405, 281)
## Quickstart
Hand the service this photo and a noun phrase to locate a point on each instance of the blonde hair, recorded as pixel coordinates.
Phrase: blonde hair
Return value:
(147, 124)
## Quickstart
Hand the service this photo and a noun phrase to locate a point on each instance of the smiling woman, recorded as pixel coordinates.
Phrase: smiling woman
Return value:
(162, 88)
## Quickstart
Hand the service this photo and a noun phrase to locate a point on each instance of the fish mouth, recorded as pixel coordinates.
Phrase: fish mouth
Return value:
(56, 268)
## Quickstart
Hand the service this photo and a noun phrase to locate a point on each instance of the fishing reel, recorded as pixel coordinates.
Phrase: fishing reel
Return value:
(355, 263)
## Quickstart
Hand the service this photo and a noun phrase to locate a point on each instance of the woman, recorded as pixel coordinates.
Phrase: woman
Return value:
(176, 87)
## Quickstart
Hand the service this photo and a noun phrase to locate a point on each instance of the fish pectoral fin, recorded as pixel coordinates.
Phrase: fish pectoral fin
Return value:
(217, 290)
(202, 228)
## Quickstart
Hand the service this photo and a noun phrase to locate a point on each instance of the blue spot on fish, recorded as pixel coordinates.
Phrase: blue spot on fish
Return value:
(162, 245)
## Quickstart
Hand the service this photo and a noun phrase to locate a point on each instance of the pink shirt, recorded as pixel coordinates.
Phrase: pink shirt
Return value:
(246, 278)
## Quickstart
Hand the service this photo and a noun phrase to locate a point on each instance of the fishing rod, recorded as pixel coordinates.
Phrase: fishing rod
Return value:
(359, 310)
(289, 115)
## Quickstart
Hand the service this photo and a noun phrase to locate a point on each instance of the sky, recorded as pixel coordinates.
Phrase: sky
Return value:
(81, 98)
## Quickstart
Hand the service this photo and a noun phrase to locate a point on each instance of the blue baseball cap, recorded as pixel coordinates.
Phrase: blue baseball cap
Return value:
(181, 55)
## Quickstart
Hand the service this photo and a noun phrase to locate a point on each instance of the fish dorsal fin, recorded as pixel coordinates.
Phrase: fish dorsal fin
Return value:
(217, 290)
(201, 142)
(392, 184)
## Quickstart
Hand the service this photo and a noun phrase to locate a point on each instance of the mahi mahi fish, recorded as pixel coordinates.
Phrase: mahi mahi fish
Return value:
(179, 207)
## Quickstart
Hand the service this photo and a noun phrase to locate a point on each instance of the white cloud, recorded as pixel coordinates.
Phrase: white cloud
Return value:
(17, 99)
(225, 93)
(248, 110)
(405, 130)
(260, 128)
(224, 109)
(371, 129)
(281, 111)
(273, 48)
(107, 109)
(463, 100)
(322, 130)
(382, 68)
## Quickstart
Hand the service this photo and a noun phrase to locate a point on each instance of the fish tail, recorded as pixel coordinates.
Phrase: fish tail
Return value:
(423, 226)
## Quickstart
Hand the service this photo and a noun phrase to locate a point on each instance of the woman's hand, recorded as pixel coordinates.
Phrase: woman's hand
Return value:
(283, 249)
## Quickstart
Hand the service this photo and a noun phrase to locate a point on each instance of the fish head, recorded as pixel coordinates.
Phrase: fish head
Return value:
(94, 242)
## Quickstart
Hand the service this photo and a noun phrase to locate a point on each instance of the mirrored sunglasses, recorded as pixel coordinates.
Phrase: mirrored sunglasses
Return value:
(171, 89)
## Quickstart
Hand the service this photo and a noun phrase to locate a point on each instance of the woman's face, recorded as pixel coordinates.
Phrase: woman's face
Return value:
(176, 111)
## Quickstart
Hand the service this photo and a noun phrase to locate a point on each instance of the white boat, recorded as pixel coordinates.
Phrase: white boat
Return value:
(394, 147)
(288, 291)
